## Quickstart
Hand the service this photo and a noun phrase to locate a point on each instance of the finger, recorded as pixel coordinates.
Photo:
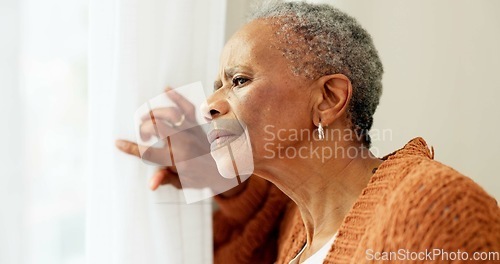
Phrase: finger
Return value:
(185, 105)
(173, 180)
(162, 177)
(172, 169)
(157, 178)
(148, 129)
(160, 156)
(128, 147)
(171, 114)
(157, 128)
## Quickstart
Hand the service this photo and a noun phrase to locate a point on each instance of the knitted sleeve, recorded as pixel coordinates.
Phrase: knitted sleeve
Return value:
(246, 226)
(437, 214)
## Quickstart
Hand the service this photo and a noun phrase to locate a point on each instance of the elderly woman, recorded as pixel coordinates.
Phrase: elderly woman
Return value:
(307, 78)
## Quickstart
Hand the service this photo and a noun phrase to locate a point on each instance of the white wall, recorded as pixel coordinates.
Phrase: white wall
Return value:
(441, 62)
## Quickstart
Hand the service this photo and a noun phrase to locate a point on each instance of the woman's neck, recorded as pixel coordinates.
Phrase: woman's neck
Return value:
(324, 190)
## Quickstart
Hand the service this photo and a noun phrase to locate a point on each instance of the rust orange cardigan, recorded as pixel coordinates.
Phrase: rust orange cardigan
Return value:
(412, 202)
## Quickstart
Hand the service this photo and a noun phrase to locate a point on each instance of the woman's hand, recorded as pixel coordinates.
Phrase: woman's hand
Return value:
(161, 123)
(163, 175)
(190, 143)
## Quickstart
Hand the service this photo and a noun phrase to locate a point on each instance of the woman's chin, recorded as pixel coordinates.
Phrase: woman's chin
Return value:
(224, 162)
(235, 158)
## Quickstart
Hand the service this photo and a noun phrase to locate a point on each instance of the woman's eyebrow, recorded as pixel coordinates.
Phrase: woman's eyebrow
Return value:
(229, 72)
(217, 84)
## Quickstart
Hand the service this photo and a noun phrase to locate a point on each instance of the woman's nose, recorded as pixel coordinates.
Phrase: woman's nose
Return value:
(215, 106)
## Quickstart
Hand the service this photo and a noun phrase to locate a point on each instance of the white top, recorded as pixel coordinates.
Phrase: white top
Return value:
(318, 257)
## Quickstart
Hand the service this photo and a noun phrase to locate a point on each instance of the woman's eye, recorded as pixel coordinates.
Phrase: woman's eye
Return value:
(239, 81)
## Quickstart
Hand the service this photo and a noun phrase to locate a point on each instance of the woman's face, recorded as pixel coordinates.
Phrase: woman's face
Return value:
(256, 87)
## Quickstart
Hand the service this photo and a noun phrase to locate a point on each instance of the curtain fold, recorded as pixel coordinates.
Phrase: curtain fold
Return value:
(136, 48)
(11, 114)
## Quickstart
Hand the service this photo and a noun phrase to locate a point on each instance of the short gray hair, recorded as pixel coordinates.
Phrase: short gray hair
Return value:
(320, 40)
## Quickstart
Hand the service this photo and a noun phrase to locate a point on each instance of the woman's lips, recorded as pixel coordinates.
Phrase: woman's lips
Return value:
(220, 137)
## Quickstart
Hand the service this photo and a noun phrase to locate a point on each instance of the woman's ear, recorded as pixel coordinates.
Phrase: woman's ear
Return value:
(337, 93)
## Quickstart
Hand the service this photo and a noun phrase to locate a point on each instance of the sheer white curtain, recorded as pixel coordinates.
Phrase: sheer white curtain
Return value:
(43, 131)
(10, 159)
(136, 48)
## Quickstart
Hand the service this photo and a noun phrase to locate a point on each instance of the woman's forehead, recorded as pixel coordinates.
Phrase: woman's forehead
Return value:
(253, 44)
